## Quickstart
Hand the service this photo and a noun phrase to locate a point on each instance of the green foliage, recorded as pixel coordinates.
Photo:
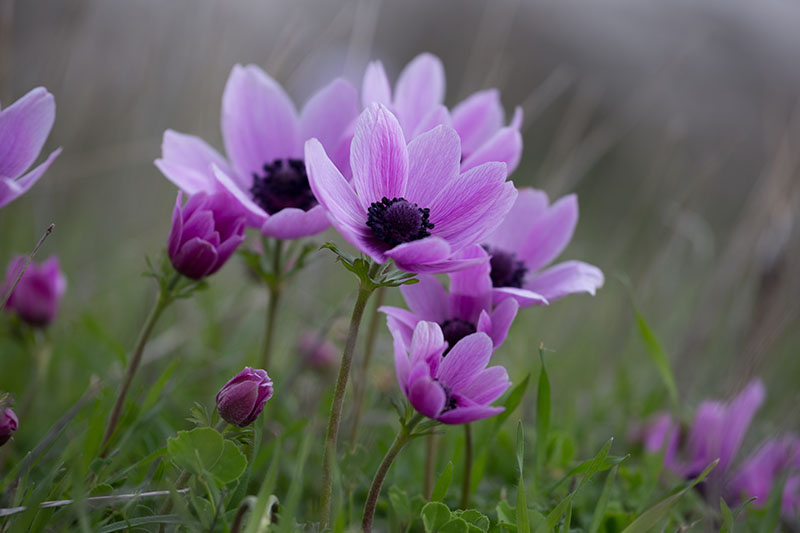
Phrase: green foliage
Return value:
(442, 483)
(205, 451)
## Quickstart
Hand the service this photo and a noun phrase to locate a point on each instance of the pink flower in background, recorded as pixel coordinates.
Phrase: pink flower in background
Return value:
(317, 351)
(417, 101)
(264, 136)
(242, 399)
(453, 388)
(205, 233)
(464, 309)
(37, 295)
(24, 127)
(8, 424)
(533, 234)
(409, 203)
(759, 473)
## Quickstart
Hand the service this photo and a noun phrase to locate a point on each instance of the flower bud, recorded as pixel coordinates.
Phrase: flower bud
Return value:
(8, 424)
(242, 399)
(205, 233)
(318, 352)
(36, 297)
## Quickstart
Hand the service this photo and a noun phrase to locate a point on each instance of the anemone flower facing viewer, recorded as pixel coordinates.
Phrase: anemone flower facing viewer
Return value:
(464, 309)
(417, 101)
(24, 127)
(533, 234)
(264, 136)
(453, 388)
(409, 203)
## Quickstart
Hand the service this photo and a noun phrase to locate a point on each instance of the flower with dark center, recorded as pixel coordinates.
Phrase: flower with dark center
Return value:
(24, 127)
(284, 184)
(417, 101)
(398, 221)
(533, 234)
(464, 308)
(456, 389)
(264, 137)
(409, 202)
(506, 271)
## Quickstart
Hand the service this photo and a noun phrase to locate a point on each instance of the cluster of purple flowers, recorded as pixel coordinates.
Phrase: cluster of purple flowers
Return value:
(717, 432)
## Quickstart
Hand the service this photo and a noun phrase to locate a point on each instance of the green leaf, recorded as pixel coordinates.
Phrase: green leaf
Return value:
(602, 502)
(435, 515)
(542, 415)
(727, 517)
(648, 519)
(567, 519)
(512, 401)
(657, 354)
(230, 465)
(456, 525)
(400, 502)
(770, 521)
(521, 514)
(474, 517)
(505, 513)
(443, 483)
(141, 521)
(196, 450)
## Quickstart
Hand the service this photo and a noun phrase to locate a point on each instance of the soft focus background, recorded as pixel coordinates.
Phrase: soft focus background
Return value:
(676, 122)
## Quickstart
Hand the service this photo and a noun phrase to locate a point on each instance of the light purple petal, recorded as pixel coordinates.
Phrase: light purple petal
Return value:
(427, 397)
(332, 190)
(524, 297)
(444, 266)
(375, 88)
(511, 234)
(420, 88)
(566, 278)
(402, 366)
(502, 318)
(196, 257)
(465, 361)
(329, 116)
(550, 233)
(738, 416)
(293, 223)
(11, 189)
(228, 246)
(24, 127)
(496, 213)
(187, 160)
(465, 415)
(427, 299)
(504, 146)
(176, 230)
(379, 157)
(438, 116)
(477, 119)
(254, 214)
(434, 161)
(427, 342)
(400, 321)
(488, 386)
(410, 255)
(259, 121)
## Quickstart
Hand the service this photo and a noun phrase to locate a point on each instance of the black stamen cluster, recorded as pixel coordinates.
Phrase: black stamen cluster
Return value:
(398, 221)
(456, 329)
(507, 270)
(284, 184)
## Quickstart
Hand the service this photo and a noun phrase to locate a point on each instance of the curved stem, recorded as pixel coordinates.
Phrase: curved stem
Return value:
(364, 291)
(375, 489)
(361, 381)
(272, 306)
(163, 301)
(466, 483)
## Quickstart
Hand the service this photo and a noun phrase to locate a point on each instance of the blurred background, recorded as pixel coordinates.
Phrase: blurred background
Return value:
(677, 123)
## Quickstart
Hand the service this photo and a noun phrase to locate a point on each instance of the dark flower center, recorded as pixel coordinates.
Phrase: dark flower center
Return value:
(397, 221)
(454, 330)
(451, 401)
(284, 184)
(507, 270)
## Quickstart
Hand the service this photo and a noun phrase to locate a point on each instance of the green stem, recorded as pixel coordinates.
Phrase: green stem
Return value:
(430, 465)
(375, 489)
(361, 381)
(272, 306)
(466, 482)
(164, 299)
(364, 291)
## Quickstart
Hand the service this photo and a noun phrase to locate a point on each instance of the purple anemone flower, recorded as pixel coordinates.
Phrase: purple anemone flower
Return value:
(716, 433)
(242, 399)
(453, 388)
(264, 136)
(410, 203)
(465, 309)
(762, 470)
(532, 235)
(37, 295)
(417, 101)
(8, 424)
(205, 233)
(24, 127)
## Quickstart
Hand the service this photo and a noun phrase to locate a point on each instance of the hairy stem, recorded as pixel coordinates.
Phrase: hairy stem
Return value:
(272, 306)
(162, 302)
(361, 382)
(375, 488)
(466, 482)
(364, 291)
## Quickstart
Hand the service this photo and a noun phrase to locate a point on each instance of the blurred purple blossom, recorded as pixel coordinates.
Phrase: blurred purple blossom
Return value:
(36, 297)
(8, 424)
(759, 473)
